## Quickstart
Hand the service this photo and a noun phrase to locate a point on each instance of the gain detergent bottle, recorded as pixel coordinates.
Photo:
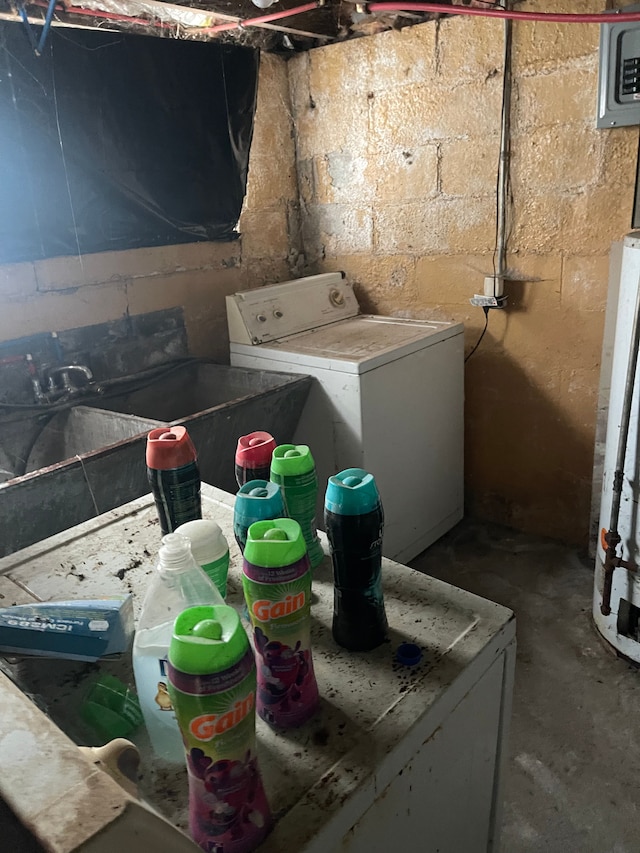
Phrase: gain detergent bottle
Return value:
(277, 588)
(212, 686)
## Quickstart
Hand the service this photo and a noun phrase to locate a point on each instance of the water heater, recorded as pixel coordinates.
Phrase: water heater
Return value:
(621, 627)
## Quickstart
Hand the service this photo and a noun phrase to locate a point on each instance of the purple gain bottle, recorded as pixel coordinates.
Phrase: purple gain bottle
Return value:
(277, 588)
(212, 683)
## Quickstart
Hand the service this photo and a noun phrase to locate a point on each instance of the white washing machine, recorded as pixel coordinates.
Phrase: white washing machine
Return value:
(389, 397)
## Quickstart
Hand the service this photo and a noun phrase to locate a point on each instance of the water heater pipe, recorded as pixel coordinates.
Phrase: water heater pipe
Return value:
(612, 537)
(614, 16)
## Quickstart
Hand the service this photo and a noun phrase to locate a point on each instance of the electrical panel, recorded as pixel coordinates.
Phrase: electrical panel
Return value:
(619, 73)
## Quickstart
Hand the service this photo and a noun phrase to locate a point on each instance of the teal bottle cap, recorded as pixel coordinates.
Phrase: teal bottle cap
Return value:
(257, 500)
(351, 492)
(274, 543)
(291, 459)
(207, 640)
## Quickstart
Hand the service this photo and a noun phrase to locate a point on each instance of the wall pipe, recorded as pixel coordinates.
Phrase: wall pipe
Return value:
(46, 27)
(263, 21)
(505, 156)
(612, 536)
(553, 17)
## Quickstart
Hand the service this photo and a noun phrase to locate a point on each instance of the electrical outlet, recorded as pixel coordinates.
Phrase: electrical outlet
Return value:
(494, 286)
(481, 301)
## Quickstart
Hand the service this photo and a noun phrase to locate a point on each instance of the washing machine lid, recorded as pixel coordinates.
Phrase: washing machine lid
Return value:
(358, 344)
(278, 310)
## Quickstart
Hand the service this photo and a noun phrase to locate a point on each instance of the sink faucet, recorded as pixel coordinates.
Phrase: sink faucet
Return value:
(65, 380)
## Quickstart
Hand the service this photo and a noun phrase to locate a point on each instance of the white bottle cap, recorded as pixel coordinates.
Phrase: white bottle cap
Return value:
(207, 540)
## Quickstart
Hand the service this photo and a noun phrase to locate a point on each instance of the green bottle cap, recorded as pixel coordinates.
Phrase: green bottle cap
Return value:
(291, 459)
(207, 640)
(274, 543)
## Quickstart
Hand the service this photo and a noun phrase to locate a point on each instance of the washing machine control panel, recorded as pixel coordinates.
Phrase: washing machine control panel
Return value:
(276, 311)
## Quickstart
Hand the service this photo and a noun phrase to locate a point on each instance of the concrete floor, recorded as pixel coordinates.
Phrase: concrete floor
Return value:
(573, 784)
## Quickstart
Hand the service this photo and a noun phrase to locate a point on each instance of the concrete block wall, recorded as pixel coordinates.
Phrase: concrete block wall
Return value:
(397, 143)
(379, 156)
(69, 292)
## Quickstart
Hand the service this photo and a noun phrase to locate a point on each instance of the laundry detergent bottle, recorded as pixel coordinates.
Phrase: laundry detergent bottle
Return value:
(257, 500)
(210, 550)
(177, 583)
(174, 476)
(354, 522)
(294, 470)
(277, 588)
(212, 686)
(253, 456)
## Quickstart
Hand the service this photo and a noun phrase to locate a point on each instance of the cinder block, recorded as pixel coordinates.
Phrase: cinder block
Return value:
(336, 229)
(259, 271)
(337, 124)
(585, 281)
(561, 97)
(541, 223)
(204, 292)
(414, 228)
(71, 271)
(264, 233)
(587, 233)
(534, 284)
(402, 57)
(469, 167)
(383, 285)
(272, 156)
(560, 158)
(273, 90)
(471, 224)
(346, 177)
(340, 70)
(405, 175)
(193, 290)
(543, 44)
(49, 312)
(271, 180)
(416, 115)
(158, 292)
(17, 281)
(469, 49)
(451, 279)
(620, 152)
(564, 339)
(539, 45)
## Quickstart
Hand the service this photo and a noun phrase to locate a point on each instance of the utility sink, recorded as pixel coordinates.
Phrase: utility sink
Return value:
(81, 430)
(190, 389)
(89, 458)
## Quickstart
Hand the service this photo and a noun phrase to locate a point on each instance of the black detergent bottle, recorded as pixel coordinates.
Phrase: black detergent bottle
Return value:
(174, 477)
(354, 521)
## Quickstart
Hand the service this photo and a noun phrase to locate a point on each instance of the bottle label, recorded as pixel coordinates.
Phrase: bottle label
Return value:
(217, 572)
(278, 574)
(176, 492)
(266, 611)
(280, 613)
(207, 726)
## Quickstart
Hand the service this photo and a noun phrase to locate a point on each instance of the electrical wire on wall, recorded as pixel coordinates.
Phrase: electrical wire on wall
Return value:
(499, 258)
(485, 308)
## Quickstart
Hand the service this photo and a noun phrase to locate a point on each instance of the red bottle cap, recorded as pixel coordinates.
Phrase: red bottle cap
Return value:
(255, 450)
(169, 447)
